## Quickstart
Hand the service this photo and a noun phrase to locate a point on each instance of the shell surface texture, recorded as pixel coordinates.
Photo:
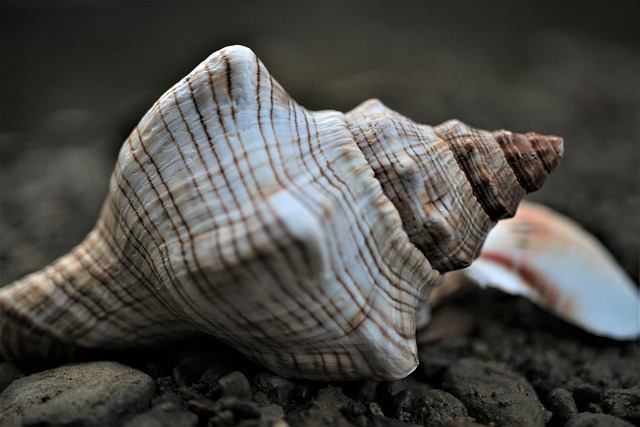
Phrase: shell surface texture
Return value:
(305, 240)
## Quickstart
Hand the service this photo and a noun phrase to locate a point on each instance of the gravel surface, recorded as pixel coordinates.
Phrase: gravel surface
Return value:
(76, 79)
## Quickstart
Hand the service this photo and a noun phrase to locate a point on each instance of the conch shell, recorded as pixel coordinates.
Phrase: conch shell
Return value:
(305, 240)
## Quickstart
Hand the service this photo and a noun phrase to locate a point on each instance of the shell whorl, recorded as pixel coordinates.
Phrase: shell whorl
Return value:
(305, 240)
(451, 182)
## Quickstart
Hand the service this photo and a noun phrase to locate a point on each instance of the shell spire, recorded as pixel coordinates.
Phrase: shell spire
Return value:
(305, 240)
(451, 182)
(530, 157)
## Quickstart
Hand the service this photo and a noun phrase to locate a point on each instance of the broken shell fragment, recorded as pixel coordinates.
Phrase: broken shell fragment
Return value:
(550, 259)
(303, 239)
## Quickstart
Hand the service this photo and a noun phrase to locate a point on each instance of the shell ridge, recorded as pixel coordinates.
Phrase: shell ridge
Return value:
(348, 195)
(156, 173)
(111, 212)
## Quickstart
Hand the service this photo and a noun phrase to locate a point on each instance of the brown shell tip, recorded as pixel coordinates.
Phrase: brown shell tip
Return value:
(532, 156)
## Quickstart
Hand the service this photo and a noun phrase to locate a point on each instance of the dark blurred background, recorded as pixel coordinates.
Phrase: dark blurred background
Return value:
(77, 76)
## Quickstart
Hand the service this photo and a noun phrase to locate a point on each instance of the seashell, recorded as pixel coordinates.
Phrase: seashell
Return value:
(550, 259)
(305, 240)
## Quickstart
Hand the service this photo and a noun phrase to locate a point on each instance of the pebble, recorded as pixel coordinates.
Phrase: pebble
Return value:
(623, 403)
(494, 394)
(398, 397)
(235, 384)
(271, 413)
(281, 391)
(242, 409)
(164, 386)
(323, 410)
(164, 415)
(560, 402)
(437, 407)
(435, 358)
(586, 419)
(612, 369)
(585, 395)
(97, 393)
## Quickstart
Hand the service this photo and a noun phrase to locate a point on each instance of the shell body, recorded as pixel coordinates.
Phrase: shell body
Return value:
(305, 240)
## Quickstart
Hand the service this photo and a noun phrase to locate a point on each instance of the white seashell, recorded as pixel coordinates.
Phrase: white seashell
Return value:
(551, 260)
(305, 240)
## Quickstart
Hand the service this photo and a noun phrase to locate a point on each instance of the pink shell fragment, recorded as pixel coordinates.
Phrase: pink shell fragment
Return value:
(550, 259)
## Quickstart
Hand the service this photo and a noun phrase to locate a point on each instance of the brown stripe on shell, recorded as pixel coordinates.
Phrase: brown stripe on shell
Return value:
(481, 159)
(532, 156)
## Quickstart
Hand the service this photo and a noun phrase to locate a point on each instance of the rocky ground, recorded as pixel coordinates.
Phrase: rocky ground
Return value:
(486, 359)
(76, 79)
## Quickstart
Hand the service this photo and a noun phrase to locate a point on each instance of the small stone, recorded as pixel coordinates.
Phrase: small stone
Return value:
(612, 370)
(584, 394)
(97, 393)
(281, 391)
(204, 408)
(242, 409)
(324, 409)
(436, 358)
(560, 402)
(623, 403)
(594, 408)
(223, 418)
(493, 393)
(164, 385)
(208, 383)
(586, 419)
(271, 413)
(178, 377)
(188, 393)
(164, 415)
(302, 393)
(355, 412)
(398, 397)
(167, 398)
(437, 407)
(375, 410)
(192, 361)
(235, 384)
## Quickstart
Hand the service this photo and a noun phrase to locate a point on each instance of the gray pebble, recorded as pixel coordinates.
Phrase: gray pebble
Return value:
(586, 419)
(324, 409)
(437, 407)
(281, 391)
(97, 393)
(235, 384)
(493, 393)
(242, 409)
(623, 403)
(560, 402)
(585, 395)
(612, 369)
(164, 415)
(164, 386)
(204, 408)
(271, 413)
